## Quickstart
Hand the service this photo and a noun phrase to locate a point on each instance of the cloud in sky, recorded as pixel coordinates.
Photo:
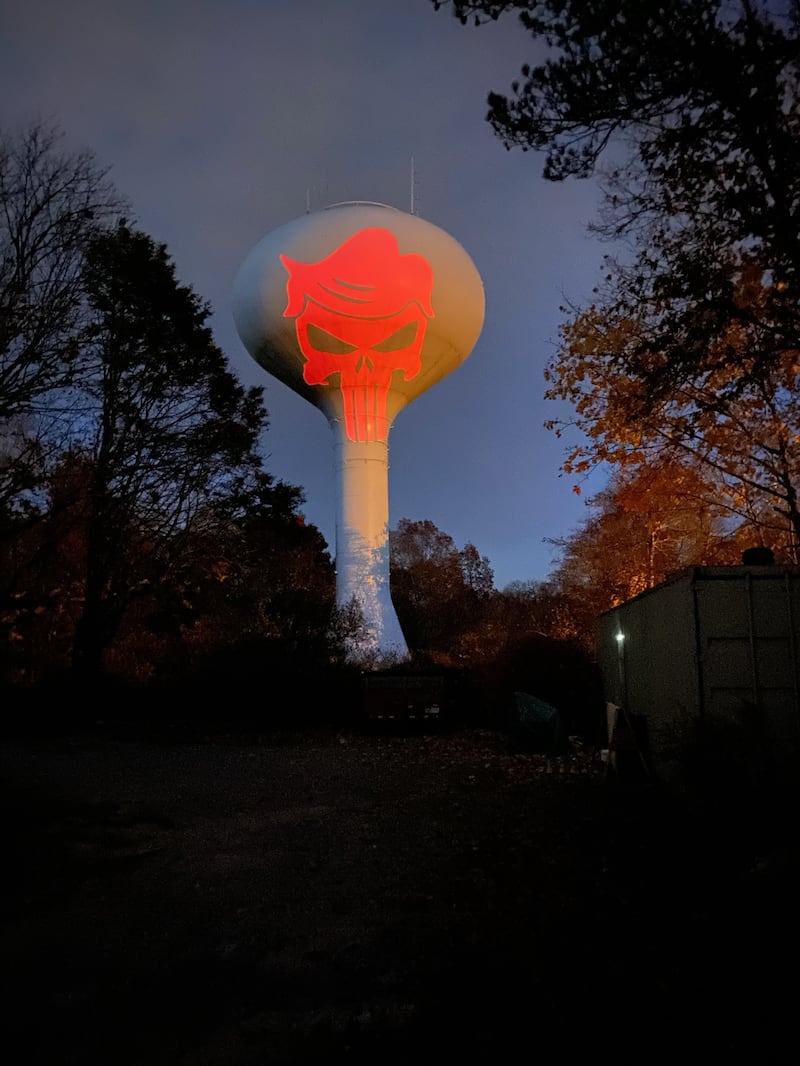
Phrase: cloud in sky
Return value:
(222, 121)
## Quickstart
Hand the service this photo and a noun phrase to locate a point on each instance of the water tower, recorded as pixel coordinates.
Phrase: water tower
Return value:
(360, 308)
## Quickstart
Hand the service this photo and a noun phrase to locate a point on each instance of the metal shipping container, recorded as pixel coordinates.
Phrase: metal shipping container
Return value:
(404, 697)
(711, 645)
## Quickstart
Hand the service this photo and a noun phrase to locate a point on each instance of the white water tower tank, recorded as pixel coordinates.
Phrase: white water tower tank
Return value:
(360, 308)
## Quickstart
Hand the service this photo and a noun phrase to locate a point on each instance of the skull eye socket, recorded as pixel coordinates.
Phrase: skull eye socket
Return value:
(402, 338)
(322, 341)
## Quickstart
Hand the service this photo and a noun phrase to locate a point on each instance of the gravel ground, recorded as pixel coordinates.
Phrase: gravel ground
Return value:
(343, 898)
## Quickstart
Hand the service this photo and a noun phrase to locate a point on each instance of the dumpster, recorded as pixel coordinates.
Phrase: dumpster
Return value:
(399, 698)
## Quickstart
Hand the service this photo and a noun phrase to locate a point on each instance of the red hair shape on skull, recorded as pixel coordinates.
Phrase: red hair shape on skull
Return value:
(361, 313)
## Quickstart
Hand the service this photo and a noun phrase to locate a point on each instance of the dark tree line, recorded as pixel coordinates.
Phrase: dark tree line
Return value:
(141, 534)
(687, 114)
(143, 538)
(139, 527)
(143, 543)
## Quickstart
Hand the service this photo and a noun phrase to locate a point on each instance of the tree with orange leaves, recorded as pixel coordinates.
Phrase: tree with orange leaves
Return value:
(736, 424)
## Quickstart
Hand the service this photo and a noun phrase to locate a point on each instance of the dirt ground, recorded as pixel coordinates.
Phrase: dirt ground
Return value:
(345, 898)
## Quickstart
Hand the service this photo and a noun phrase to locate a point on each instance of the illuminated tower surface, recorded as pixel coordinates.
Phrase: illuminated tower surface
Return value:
(360, 308)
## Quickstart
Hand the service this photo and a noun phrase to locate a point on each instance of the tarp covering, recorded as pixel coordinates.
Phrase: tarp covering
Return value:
(536, 724)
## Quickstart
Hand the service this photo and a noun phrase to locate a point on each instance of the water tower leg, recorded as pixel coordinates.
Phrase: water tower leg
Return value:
(362, 545)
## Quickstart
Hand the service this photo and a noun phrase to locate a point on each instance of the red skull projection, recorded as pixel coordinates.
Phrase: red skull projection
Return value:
(361, 313)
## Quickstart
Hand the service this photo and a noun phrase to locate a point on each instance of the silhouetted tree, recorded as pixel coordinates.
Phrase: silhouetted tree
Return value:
(742, 442)
(477, 572)
(52, 200)
(426, 583)
(166, 429)
(691, 107)
(442, 594)
(266, 583)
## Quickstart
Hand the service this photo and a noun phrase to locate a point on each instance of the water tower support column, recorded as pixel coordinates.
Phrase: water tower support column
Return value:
(360, 308)
(362, 544)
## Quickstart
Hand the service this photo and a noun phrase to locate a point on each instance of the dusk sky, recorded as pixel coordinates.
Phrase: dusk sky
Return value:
(222, 121)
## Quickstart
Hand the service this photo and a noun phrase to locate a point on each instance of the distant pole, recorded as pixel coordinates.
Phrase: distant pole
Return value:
(308, 201)
(412, 184)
